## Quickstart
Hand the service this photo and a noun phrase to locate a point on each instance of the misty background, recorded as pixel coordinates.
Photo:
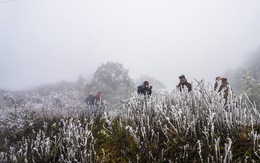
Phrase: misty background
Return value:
(46, 41)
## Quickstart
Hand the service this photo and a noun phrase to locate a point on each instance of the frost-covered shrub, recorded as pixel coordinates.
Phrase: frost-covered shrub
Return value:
(167, 127)
(251, 87)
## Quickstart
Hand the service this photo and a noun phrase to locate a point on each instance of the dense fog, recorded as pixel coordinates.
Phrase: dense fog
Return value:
(46, 41)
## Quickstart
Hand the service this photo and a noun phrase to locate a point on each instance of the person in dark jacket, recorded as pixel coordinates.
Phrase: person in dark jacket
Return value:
(90, 102)
(144, 89)
(184, 83)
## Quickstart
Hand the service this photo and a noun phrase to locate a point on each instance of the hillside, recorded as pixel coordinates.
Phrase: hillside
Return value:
(167, 127)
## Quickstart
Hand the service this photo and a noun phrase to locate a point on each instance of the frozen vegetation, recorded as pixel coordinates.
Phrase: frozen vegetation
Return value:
(166, 127)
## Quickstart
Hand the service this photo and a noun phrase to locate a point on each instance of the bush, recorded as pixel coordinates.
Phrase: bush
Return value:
(168, 127)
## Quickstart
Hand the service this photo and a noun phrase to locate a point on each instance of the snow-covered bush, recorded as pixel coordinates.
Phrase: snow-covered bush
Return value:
(172, 126)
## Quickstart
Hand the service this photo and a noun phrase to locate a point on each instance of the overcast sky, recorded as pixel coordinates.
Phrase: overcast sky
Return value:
(45, 41)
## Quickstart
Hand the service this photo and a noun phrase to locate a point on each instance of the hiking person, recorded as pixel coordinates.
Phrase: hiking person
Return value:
(90, 101)
(226, 88)
(217, 83)
(144, 89)
(98, 99)
(184, 83)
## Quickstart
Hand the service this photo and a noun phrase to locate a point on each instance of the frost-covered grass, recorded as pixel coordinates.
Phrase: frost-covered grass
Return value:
(166, 127)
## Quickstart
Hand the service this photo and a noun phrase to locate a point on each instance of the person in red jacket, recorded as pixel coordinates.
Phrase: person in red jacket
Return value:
(98, 99)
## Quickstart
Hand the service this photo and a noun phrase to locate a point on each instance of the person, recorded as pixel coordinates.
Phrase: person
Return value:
(226, 88)
(98, 99)
(90, 101)
(144, 89)
(184, 83)
(217, 83)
